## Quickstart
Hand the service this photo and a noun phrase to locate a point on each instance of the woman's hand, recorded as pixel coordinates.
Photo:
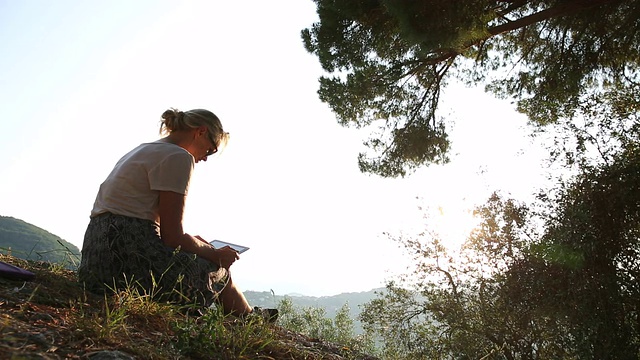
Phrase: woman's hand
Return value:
(227, 256)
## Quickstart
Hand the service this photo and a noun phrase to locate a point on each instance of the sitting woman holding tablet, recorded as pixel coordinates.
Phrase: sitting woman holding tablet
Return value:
(135, 235)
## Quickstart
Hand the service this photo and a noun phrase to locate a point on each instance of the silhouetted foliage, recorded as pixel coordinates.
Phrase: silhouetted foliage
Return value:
(387, 62)
(557, 279)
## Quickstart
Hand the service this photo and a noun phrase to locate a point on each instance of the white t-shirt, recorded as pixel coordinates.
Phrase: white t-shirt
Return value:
(132, 188)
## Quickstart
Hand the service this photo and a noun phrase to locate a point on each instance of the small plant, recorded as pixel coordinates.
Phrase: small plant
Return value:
(214, 335)
(113, 320)
(312, 322)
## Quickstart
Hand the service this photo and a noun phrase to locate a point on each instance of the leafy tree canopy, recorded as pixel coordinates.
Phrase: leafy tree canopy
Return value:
(388, 60)
(555, 279)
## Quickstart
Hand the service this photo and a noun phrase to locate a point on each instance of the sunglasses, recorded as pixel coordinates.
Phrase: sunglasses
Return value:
(215, 148)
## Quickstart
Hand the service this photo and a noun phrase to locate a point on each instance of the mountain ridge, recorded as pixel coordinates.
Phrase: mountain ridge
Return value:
(331, 304)
(30, 242)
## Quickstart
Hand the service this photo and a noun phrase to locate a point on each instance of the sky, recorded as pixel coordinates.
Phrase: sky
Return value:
(83, 82)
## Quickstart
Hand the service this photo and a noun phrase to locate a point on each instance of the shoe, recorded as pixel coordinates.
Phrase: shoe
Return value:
(269, 315)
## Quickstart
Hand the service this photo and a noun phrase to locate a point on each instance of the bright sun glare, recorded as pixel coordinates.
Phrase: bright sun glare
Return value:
(452, 223)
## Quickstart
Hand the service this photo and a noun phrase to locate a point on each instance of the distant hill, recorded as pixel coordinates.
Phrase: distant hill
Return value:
(331, 304)
(30, 242)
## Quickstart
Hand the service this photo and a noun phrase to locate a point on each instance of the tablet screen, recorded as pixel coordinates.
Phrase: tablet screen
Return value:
(220, 244)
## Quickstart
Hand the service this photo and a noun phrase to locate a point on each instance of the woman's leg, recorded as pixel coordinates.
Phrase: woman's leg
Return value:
(233, 300)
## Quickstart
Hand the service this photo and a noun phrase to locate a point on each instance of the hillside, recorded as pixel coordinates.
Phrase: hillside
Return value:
(331, 304)
(52, 317)
(29, 242)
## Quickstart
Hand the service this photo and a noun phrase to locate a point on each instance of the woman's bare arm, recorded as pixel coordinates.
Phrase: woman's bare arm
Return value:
(172, 233)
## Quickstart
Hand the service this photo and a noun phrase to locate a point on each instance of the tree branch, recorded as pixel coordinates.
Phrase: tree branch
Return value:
(565, 9)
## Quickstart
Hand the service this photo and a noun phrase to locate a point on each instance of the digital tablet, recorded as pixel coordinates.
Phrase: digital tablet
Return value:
(220, 244)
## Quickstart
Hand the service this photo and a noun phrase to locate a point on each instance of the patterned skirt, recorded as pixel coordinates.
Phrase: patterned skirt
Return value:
(125, 253)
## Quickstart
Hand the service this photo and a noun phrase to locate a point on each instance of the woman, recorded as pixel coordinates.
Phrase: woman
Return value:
(135, 235)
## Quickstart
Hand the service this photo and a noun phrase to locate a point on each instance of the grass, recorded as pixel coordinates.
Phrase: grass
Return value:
(53, 317)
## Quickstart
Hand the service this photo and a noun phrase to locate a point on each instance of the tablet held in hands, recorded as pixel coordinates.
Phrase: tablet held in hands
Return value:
(220, 244)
